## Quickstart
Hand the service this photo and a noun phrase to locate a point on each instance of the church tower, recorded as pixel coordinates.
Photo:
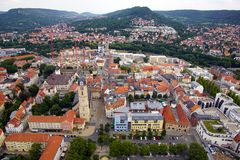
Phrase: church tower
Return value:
(83, 104)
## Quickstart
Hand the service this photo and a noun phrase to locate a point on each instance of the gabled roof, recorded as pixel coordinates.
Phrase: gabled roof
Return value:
(27, 137)
(168, 115)
(237, 138)
(52, 147)
(183, 120)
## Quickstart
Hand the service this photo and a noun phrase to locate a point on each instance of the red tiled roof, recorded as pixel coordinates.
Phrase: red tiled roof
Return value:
(69, 116)
(168, 115)
(183, 120)
(73, 87)
(120, 102)
(20, 113)
(27, 137)
(79, 120)
(2, 97)
(2, 69)
(31, 73)
(52, 147)
(237, 138)
(121, 90)
(15, 122)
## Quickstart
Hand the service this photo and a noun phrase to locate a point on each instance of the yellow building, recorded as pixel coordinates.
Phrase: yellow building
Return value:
(23, 141)
(2, 137)
(146, 122)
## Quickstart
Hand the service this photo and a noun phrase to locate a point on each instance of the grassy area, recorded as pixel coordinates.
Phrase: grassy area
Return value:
(209, 125)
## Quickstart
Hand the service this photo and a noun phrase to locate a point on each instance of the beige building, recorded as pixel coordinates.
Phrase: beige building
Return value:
(83, 104)
(68, 122)
(22, 142)
(146, 122)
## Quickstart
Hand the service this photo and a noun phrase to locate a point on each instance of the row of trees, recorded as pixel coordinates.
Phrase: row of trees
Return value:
(209, 86)
(103, 134)
(81, 149)
(127, 148)
(9, 65)
(46, 70)
(54, 105)
(235, 97)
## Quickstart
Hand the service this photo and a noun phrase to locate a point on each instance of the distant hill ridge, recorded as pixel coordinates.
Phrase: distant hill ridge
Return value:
(25, 19)
(202, 17)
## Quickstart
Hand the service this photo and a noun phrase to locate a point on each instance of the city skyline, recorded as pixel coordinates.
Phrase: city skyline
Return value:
(106, 6)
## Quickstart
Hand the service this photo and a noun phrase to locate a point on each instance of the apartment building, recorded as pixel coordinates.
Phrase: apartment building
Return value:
(22, 142)
(66, 123)
(146, 122)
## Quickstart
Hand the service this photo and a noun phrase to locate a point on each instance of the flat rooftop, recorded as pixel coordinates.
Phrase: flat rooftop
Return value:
(214, 126)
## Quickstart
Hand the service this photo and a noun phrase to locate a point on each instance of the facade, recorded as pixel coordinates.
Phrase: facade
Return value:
(65, 123)
(120, 122)
(146, 122)
(62, 82)
(22, 142)
(114, 104)
(83, 104)
(234, 115)
(236, 143)
(2, 137)
(17, 123)
(176, 119)
(213, 135)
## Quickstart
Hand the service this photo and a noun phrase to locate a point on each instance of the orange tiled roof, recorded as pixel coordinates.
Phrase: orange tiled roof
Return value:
(2, 97)
(194, 108)
(52, 147)
(15, 122)
(121, 90)
(20, 113)
(237, 138)
(174, 83)
(231, 79)
(20, 57)
(69, 116)
(120, 102)
(168, 115)
(183, 120)
(3, 69)
(79, 120)
(73, 87)
(31, 73)
(27, 137)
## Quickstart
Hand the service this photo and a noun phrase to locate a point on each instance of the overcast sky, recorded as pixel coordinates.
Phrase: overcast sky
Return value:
(104, 6)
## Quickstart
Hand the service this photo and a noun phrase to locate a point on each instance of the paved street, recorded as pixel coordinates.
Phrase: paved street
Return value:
(98, 112)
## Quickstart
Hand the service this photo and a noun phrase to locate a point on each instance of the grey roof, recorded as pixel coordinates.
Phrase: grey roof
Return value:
(58, 79)
(147, 116)
(154, 105)
(204, 116)
(137, 105)
(190, 104)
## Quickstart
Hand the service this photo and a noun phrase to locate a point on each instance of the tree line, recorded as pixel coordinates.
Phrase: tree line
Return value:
(209, 86)
(54, 105)
(127, 148)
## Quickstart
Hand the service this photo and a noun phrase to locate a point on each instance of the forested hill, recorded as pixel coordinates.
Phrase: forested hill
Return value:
(203, 17)
(122, 19)
(23, 19)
